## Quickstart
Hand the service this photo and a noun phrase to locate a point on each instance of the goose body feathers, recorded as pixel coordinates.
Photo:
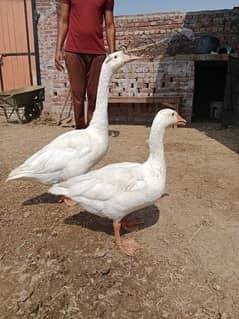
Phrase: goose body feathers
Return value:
(73, 153)
(118, 189)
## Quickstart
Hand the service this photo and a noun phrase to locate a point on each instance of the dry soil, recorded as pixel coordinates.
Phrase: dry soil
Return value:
(58, 262)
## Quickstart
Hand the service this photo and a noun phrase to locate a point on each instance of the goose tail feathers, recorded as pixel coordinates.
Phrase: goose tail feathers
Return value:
(19, 172)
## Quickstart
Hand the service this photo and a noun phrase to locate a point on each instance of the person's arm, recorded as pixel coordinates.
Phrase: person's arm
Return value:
(61, 35)
(110, 30)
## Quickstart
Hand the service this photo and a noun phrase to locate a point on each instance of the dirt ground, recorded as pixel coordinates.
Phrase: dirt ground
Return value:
(58, 262)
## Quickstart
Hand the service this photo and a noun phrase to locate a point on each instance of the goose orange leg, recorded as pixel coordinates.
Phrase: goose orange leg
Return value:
(127, 246)
(67, 201)
(130, 224)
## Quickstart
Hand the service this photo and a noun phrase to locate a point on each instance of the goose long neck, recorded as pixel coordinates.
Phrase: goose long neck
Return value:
(156, 147)
(100, 116)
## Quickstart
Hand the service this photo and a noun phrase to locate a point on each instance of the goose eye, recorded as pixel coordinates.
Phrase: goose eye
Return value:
(172, 114)
(115, 56)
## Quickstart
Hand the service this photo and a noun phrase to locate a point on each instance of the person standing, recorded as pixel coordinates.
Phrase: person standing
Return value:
(81, 25)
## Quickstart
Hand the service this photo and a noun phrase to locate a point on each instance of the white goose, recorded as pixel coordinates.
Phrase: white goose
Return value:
(118, 189)
(75, 152)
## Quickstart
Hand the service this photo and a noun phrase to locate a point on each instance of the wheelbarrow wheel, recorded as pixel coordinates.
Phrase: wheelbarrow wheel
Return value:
(32, 112)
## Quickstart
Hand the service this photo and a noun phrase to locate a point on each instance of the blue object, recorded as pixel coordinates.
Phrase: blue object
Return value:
(207, 44)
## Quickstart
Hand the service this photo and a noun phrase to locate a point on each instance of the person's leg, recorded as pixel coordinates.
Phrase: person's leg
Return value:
(77, 72)
(93, 75)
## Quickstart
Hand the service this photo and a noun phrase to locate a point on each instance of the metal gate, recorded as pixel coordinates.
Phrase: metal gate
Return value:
(230, 114)
(19, 56)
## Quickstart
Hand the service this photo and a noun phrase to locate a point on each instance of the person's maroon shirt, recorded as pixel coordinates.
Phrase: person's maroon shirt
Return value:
(85, 33)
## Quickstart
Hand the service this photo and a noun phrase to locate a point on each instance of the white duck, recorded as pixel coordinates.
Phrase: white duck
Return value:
(118, 189)
(75, 152)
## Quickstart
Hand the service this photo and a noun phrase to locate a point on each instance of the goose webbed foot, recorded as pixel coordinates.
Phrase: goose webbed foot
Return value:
(67, 201)
(128, 246)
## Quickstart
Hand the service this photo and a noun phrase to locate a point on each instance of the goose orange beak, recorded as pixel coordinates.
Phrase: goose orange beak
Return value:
(135, 57)
(181, 120)
(130, 58)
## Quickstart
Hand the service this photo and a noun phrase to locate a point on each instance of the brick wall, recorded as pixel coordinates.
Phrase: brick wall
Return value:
(223, 24)
(160, 32)
(169, 77)
(56, 83)
(138, 30)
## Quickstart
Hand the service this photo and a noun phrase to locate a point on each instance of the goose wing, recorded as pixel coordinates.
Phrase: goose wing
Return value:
(106, 182)
(113, 191)
(48, 164)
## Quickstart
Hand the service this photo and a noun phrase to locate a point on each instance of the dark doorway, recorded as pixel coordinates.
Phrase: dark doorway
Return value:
(210, 82)
(230, 114)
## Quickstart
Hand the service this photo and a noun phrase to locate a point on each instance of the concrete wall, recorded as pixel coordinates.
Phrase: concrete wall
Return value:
(160, 33)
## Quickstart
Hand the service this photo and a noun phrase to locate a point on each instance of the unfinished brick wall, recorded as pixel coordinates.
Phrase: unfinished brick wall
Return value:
(169, 76)
(138, 30)
(223, 24)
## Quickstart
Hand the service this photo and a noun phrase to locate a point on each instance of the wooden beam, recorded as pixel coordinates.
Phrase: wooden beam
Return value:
(145, 99)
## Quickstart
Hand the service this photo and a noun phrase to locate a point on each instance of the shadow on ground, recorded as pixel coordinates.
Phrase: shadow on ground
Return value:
(229, 137)
(45, 198)
(149, 216)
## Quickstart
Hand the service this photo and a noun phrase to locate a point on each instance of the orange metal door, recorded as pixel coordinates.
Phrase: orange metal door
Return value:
(17, 49)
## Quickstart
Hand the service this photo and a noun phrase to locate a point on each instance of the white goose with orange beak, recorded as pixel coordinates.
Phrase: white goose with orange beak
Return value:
(118, 189)
(75, 152)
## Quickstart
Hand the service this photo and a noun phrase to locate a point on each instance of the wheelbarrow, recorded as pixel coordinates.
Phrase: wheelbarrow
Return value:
(25, 102)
